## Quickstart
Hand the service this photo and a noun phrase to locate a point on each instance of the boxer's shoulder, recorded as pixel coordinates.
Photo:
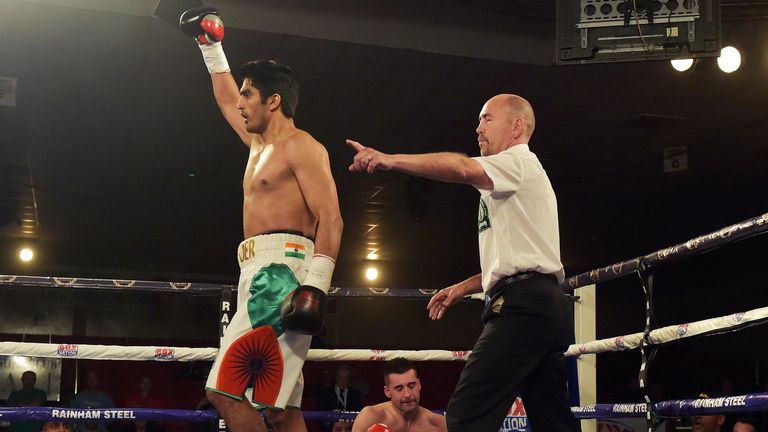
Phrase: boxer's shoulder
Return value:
(370, 415)
(300, 141)
(427, 421)
(436, 421)
(375, 410)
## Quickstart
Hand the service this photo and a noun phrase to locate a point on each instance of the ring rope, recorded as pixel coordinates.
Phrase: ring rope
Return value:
(672, 333)
(704, 243)
(149, 353)
(671, 408)
(75, 414)
(659, 336)
(676, 408)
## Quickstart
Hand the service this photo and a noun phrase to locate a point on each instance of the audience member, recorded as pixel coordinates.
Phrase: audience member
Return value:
(342, 426)
(707, 423)
(745, 424)
(340, 397)
(92, 397)
(145, 397)
(26, 397)
(56, 426)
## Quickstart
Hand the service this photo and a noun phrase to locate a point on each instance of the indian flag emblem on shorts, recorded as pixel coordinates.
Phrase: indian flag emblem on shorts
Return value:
(294, 250)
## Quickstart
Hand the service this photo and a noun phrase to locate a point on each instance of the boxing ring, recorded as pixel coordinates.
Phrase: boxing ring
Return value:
(647, 341)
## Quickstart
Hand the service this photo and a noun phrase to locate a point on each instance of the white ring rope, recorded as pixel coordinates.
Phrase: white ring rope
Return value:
(619, 343)
(671, 333)
(116, 352)
(106, 352)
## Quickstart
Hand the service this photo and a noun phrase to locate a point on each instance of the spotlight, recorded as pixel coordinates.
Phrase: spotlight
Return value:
(371, 273)
(682, 65)
(26, 254)
(729, 60)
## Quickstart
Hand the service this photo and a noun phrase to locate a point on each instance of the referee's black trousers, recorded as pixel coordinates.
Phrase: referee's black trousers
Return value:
(518, 353)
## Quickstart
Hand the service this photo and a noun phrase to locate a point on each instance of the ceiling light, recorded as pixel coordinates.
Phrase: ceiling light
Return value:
(682, 65)
(372, 255)
(371, 273)
(729, 60)
(26, 254)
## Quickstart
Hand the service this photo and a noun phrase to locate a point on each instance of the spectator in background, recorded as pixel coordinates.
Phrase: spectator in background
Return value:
(707, 423)
(342, 426)
(145, 397)
(56, 426)
(340, 397)
(92, 397)
(26, 397)
(745, 424)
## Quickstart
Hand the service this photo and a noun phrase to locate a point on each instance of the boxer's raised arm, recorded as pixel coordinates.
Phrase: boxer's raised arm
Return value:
(227, 94)
(206, 27)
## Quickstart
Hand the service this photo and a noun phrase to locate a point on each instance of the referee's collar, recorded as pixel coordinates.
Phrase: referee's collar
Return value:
(518, 148)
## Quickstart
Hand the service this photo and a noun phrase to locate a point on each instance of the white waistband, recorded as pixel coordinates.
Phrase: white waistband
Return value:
(272, 246)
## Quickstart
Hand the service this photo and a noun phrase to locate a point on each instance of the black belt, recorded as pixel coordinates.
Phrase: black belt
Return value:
(505, 282)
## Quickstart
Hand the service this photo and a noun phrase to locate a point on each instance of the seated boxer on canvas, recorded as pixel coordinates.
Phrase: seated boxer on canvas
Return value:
(402, 413)
(292, 229)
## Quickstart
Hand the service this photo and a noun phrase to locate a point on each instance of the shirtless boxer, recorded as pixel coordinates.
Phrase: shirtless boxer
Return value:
(402, 413)
(292, 229)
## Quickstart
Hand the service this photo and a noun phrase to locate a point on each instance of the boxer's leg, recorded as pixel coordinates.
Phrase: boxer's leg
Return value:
(238, 414)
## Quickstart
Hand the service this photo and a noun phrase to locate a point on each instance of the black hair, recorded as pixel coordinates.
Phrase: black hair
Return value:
(398, 365)
(752, 421)
(271, 77)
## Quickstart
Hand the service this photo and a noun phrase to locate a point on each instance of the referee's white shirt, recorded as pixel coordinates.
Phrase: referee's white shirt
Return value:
(517, 220)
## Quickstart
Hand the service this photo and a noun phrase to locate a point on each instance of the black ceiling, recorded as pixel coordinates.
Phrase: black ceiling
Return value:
(116, 163)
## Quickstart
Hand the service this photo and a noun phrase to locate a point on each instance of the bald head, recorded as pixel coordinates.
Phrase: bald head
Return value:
(506, 120)
(518, 107)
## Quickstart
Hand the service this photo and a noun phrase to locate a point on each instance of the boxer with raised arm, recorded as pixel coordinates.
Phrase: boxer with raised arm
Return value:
(292, 229)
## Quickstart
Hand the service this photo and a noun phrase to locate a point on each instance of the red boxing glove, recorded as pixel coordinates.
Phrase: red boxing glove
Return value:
(203, 24)
(213, 29)
(379, 427)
